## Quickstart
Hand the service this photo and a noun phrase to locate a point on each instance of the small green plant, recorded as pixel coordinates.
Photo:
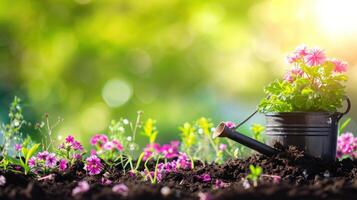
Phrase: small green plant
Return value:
(150, 130)
(314, 84)
(257, 130)
(25, 152)
(255, 173)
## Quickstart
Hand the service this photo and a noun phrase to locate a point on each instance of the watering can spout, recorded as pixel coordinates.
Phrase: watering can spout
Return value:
(224, 131)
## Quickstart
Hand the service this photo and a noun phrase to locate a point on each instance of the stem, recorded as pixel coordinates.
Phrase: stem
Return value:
(139, 161)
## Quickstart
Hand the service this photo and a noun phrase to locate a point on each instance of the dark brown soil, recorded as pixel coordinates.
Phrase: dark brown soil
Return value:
(301, 178)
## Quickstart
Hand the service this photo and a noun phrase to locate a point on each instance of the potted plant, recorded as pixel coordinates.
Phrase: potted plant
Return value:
(302, 108)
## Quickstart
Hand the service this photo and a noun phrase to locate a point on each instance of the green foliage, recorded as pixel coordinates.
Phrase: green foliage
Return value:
(198, 144)
(254, 175)
(306, 88)
(11, 131)
(342, 126)
(28, 150)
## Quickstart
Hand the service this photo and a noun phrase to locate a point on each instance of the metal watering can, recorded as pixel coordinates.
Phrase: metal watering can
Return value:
(313, 132)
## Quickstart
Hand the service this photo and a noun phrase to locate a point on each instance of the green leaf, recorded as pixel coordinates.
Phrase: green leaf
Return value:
(31, 152)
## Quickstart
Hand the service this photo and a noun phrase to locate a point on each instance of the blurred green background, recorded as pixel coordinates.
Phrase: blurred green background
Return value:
(90, 61)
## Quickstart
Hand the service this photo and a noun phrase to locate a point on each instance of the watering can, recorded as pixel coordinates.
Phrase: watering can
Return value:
(313, 132)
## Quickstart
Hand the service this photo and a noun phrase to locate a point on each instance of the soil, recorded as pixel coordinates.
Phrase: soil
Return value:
(301, 178)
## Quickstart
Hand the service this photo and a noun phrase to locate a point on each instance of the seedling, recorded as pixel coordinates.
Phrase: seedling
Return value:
(257, 130)
(255, 172)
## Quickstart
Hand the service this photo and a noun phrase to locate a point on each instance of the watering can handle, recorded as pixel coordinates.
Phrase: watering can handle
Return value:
(248, 118)
(340, 115)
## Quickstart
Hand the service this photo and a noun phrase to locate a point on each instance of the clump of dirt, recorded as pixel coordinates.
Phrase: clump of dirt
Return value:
(301, 177)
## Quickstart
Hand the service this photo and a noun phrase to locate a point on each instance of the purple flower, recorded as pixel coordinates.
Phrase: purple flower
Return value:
(42, 155)
(98, 139)
(230, 124)
(77, 146)
(82, 187)
(32, 162)
(51, 160)
(204, 177)
(93, 165)
(183, 161)
(121, 189)
(62, 164)
(69, 139)
(18, 147)
(77, 156)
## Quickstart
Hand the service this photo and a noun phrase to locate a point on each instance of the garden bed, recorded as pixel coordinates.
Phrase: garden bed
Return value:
(287, 175)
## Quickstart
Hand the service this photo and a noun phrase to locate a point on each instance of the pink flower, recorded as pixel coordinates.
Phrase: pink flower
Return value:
(2, 180)
(51, 160)
(77, 146)
(170, 150)
(32, 162)
(109, 146)
(93, 165)
(204, 196)
(118, 145)
(222, 147)
(293, 58)
(297, 71)
(204, 177)
(230, 124)
(340, 66)
(346, 146)
(183, 161)
(82, 187)
(18, 147)
(93, 152)
(62, 165)
(42, 155)
(220, 184)
(99, 139)
(121, 189)
(69, 139)
(288, 77)
(150, 149)
(77, 156)
(301, 51)
(315, 57)
(105, 181)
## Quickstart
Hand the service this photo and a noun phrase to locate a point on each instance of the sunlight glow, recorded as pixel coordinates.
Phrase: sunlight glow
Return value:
(338, 18)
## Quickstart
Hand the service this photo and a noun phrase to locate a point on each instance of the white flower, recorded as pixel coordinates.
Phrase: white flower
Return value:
(129, 138)
(126, 121)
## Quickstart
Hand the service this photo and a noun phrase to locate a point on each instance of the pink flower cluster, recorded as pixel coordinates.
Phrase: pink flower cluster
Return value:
(43, 159)
(93, 165)
(70, 142)
(347, 146)
(103, 143)
(310, 57)
(182, 162)
(167, 150)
